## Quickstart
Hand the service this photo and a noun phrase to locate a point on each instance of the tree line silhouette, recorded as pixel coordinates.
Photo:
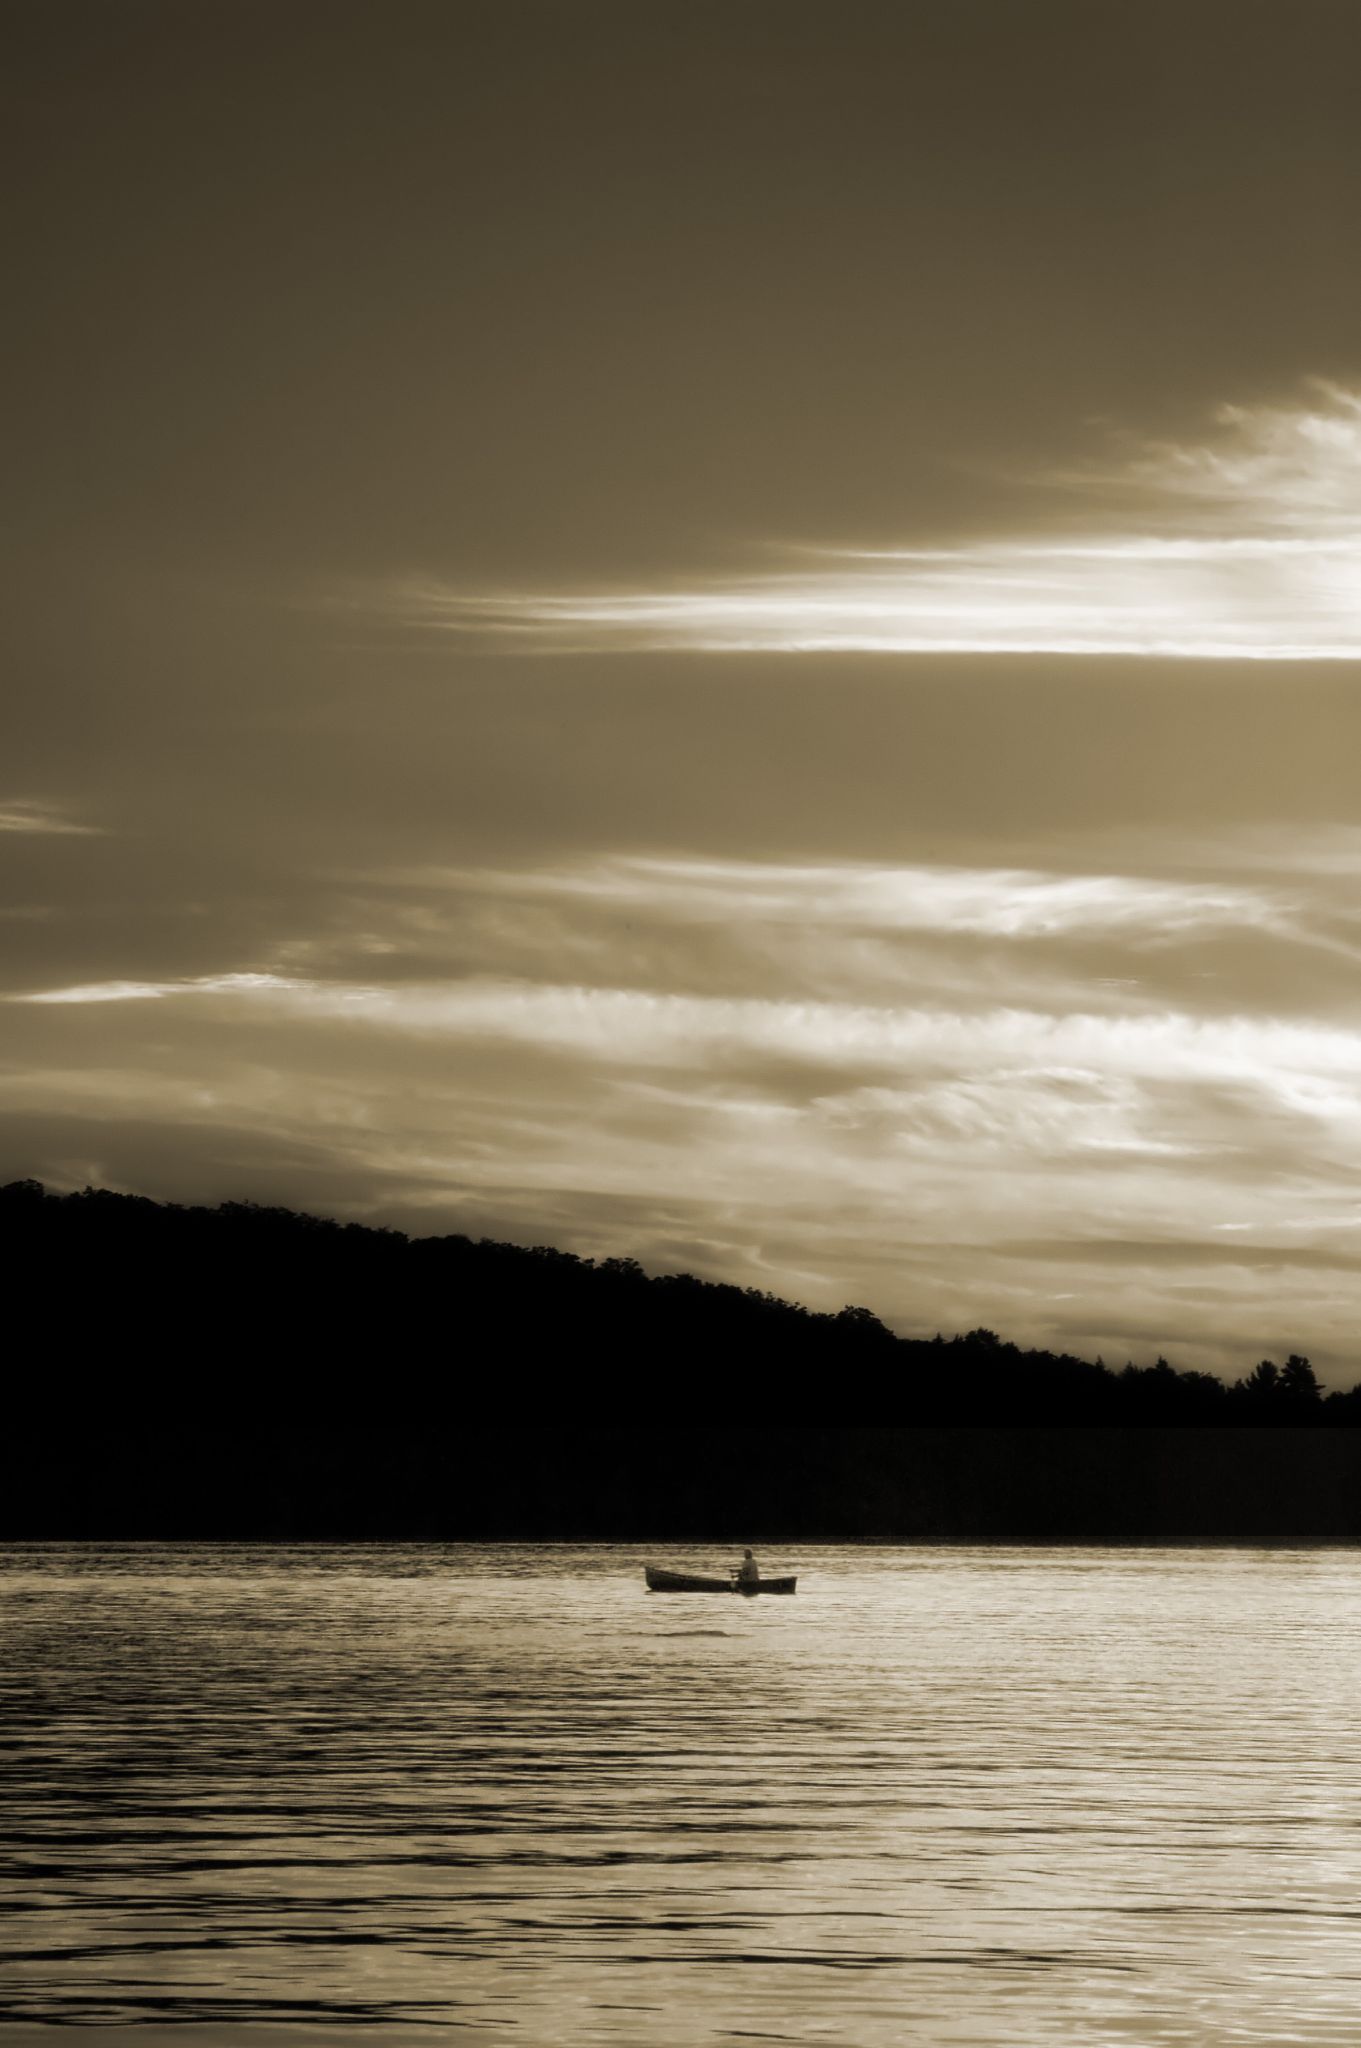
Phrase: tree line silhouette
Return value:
(281, 1278)
(249, 1372)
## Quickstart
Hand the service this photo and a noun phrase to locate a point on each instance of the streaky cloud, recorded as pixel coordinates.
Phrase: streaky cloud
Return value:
(33, 814)
(982, 902)
(150, 991)
(1243, 547)
(1311, 1068)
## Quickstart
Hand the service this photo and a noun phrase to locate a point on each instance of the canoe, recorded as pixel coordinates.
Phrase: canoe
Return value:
(659, 1581)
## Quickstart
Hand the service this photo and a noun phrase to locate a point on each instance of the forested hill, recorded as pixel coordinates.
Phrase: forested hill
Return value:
(264, 1286)
(250, 1374)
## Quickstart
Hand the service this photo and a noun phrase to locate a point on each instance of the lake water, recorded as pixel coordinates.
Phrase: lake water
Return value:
(496, 1795)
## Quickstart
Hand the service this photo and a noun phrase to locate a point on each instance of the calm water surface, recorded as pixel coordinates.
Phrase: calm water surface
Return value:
(497, 1795)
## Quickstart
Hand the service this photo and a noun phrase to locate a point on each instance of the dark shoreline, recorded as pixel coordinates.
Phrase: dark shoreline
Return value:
(259, 1375)
(307, 1481)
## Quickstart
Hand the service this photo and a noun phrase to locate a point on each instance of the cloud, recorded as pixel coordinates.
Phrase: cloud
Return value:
(1276, 472)
(147, 991)
(849, 895)
(1314, 1070)
(935, 934)
(1245, 545)
(830, 1150)
(31, 814)
(850, 1079)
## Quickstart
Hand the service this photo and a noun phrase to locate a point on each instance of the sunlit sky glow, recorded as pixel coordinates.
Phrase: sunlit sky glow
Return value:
(723, 635)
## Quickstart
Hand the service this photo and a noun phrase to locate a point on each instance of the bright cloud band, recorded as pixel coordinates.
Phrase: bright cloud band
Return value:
(1244, 547)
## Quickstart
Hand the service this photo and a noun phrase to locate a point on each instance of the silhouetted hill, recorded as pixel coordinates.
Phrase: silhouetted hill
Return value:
(252, 1371)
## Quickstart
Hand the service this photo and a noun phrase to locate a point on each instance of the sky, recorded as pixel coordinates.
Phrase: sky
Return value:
(719, 633)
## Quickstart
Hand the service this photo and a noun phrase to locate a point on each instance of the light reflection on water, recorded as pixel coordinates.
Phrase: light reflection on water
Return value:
(501, 1793)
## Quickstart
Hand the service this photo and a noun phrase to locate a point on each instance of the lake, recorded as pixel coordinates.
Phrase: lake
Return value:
(500, 1794)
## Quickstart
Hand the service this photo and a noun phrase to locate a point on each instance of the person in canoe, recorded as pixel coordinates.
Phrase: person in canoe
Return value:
(748, 1572)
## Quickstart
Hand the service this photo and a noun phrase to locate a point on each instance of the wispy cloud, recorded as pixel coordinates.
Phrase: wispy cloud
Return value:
(845, 1079)
(940, 934)
(1244, 545)
(31, 814)
(894, 1154)
(935, 937)
(1313, 1067)
(849, 896)
(151, 991)
(894, 1151)
(1274, 471)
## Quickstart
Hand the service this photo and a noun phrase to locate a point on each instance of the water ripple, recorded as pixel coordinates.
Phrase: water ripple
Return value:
(954, 1796)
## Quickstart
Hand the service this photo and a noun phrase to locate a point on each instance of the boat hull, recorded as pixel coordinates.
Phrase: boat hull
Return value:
(659, 1581)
